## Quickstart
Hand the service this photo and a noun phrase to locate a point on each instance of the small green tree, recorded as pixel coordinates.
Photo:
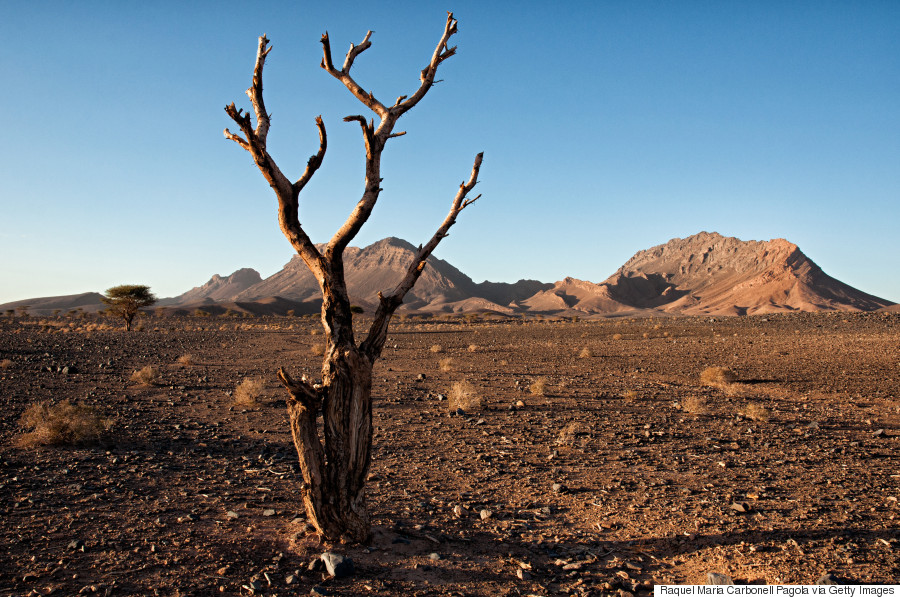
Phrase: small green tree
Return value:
(126, 300)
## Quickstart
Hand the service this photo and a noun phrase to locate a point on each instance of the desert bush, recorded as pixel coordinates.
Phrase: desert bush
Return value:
(62, 423)
(249, 391)
(437, 348)
(694, 405)
(462, 395)
(617, 336)
(717, 376)
(538, 386)
(568, 435)
(757, 412)
(630, 395)
(446, 364)
(317, 349)
(147, 376)
(585, 353)
(6, 364)
(472, 347)
(186, 359)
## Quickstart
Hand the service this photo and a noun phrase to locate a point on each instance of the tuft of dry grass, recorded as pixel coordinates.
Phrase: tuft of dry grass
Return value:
(249, 391)
(147, 376)
(617, 336)
(585, 353)
(694, 405)
(6, 364)
(629, 395)
(472, 347)
(317, 349)
(186, 360)
(757, 412)
(62, 423)
(446, 364)
(568, 435)
(437, 348)
(462, 395)
(717, 376)
(538, 387)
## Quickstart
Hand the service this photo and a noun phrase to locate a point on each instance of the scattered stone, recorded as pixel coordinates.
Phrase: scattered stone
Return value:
(319, 590)
(829, 578)
(269, 512)
(558, 488)
(458, 511)
(77, 544)
(290, 579)
(316, 565)
(741, 507)
(520, 404)
(254, 585)
(231, 514)
(434, 556)
(716, 578)
(485, 514)
(420, 377)
(523, 574)
(880, 433)
(337, 565)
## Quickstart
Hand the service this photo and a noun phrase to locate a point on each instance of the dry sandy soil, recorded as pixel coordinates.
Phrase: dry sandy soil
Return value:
(624, 473)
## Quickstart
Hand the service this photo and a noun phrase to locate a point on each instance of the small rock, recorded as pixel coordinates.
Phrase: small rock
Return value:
(829, 578)
(290, 579)
(269, 512)
(523, 574)
(77, 544)
(880, 433)
(434, 556)
(741, 507)
(485, 514)
(316, 565)
(520, 404)
(231, 514)
(337, 565)
(420, 377)
(458, 511)
(317, 590)
(716, 578)
(558, 488)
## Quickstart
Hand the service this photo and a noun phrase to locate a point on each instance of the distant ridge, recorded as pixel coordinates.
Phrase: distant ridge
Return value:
(706, 273)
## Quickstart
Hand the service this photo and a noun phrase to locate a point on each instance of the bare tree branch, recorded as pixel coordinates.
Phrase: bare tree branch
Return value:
(388, 304)
(254, 141)
(441, 53)
(344, 75)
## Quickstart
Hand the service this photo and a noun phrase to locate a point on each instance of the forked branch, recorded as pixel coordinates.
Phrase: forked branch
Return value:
(254, 141)
(387, 304)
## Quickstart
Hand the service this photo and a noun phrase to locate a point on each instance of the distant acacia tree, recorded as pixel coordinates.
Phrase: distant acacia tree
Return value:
(126, 300)
(334, 471)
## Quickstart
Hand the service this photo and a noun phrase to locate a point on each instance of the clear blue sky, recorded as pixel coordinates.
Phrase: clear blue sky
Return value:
(607, 127)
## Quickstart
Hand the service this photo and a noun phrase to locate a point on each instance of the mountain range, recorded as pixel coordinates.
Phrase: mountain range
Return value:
(706, 273)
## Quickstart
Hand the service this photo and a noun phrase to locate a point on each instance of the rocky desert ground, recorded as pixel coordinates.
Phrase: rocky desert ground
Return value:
(591, 458)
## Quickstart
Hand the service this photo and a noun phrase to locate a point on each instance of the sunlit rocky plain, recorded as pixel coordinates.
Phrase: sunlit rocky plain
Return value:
(598, 462)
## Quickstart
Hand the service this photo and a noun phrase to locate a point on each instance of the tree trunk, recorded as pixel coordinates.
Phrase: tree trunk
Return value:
(335, 475)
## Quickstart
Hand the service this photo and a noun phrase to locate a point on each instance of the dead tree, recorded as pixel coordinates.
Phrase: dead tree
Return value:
(335, 466)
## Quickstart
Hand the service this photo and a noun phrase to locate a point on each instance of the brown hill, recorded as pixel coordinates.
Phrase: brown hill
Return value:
(708, 273)
(86, 301)
(218, 288)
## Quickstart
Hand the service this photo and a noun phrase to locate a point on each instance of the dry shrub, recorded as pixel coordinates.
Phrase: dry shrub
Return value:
(717, 376)
(446, 364)
(437, 348)
(472, 347)
(694, 405)
(630, 395)
(568, 435)
(617, 336)
(148, 376)
(186, 359)
(63, 423)
(757, 412)
(462, 395)
(249, 391)
(645, 335)
(6, 364)
(317, 349)
(585, 353)
(538, 386)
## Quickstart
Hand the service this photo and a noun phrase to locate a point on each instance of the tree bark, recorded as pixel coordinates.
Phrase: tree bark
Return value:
(335, 465)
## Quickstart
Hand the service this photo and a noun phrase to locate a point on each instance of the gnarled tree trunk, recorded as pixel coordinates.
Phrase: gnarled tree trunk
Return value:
(335, 467)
